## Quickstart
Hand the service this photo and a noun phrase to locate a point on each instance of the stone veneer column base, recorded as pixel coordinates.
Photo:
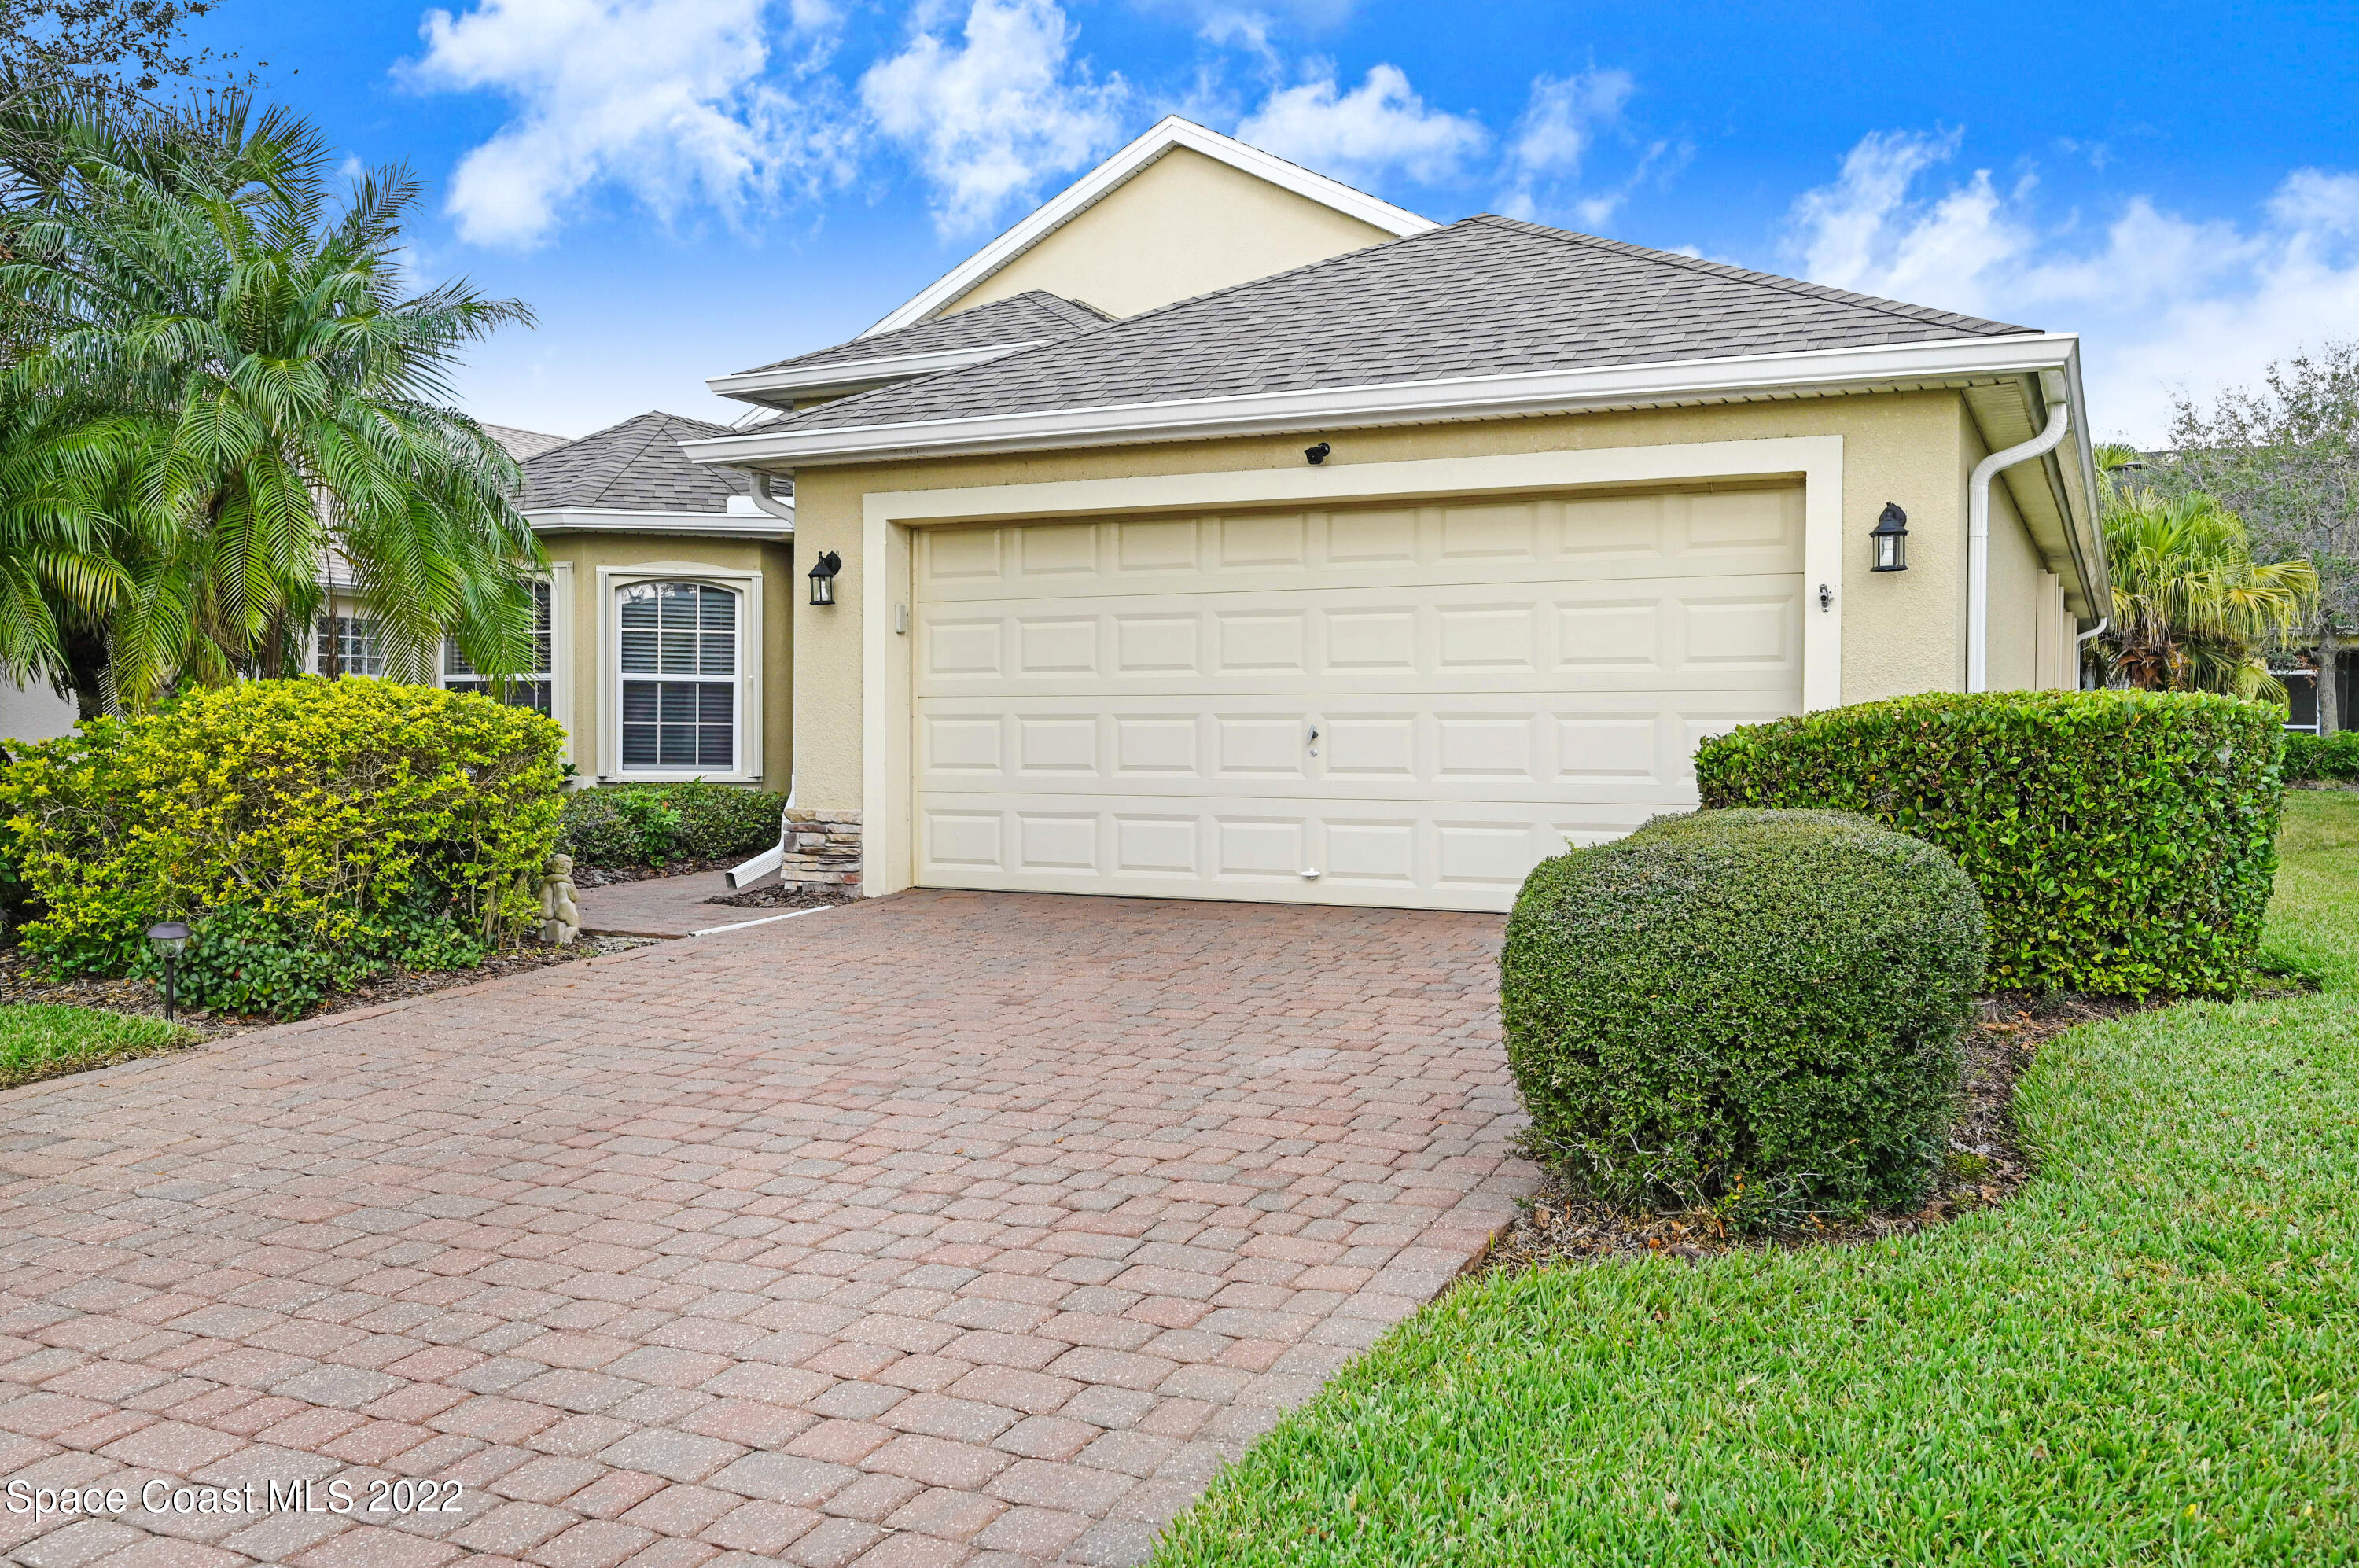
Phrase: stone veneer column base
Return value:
(822, 852)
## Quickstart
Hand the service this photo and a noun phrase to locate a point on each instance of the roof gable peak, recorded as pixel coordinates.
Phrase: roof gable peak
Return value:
(1166, 134)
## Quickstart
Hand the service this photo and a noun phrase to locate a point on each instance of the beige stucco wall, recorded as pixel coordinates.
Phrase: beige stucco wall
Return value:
(1901, 632)
(633, 553)
(1182, 226)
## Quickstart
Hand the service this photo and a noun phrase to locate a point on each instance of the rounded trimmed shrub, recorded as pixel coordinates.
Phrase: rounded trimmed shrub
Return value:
(311, 831)
(2125, 841)
(1754, 1011)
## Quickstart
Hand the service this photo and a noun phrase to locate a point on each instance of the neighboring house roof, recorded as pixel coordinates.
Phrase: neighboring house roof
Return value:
(1117, 170)
(521, 445)
(1484, 297)
(636, 467)
(969, 337)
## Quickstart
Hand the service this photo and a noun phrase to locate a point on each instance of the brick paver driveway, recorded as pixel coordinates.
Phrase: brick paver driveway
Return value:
(948, 1228)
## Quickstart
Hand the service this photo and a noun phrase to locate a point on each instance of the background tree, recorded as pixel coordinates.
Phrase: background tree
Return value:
(230, 387)
(2193, 610)
(2285, 458)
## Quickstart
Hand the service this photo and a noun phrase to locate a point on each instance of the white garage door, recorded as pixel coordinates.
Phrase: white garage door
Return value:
(1406, 706)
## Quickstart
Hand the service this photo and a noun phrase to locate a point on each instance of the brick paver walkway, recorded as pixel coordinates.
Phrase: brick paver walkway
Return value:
(664, 906)
(953, 1229)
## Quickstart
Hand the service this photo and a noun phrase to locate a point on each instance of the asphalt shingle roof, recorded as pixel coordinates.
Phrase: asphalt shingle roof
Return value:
(1485, 295)
(636, 467)
(521, 445)
(1028, 317)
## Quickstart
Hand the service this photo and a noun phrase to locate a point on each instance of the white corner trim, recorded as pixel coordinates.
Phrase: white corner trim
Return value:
(1899, 365)
(601, 520)
(560, 657)
(1093, 187)
(888, 517)
(750, 645)
(858, 375)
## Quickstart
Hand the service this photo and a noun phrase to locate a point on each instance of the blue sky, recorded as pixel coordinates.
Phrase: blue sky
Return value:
(684, 187)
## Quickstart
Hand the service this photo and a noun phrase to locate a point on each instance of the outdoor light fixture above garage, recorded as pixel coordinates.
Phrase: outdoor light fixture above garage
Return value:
(1890, 536)
(823, 578)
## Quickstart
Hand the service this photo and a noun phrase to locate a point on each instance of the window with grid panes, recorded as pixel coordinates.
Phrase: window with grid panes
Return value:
(348, 646)
(526, 691)
(679, 661)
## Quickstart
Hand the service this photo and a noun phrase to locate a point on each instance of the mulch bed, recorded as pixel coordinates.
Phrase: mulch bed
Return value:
(1987, 1163)
(779, 896)
(18, 983)
(607, 875)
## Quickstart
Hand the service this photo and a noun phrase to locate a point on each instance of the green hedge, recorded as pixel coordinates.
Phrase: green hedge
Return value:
(2123, 842)
(652, 824)
(2321, 759)
(1753, 1010)
(311, 831)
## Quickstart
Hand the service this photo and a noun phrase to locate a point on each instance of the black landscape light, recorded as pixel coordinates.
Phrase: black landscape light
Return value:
(1890, 536)
(823, 578)
(170, 940)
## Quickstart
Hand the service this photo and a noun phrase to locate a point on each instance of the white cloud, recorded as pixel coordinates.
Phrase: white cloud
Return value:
(674, 101)
(988, 117)
(1562, 120)
(2164, 303)
(1552, 139)
(1380, 125)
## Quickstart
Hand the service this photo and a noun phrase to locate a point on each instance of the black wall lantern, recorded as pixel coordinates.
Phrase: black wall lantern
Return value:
(1890, 536)
(823, 578)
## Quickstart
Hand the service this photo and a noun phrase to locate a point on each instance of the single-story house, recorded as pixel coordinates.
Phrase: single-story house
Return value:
(1221, 531)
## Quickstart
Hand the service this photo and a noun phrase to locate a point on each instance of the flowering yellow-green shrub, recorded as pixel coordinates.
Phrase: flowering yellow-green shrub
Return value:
(311, 831)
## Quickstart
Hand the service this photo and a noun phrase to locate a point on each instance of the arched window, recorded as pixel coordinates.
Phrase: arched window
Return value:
(681, 649)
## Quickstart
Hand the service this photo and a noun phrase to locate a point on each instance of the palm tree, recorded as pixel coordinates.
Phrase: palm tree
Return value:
(231, 388)
(2192, 609)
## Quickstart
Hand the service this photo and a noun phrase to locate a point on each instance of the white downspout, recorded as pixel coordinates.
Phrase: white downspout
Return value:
(772, 858)
(2081, 647)
(782, 510)
(1978, 539)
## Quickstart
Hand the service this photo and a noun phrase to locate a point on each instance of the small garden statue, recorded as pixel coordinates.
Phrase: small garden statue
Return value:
(561, 916)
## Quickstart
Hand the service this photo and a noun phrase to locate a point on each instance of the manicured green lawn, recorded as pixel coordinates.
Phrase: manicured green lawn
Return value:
(2150, 1355)
(39, 1042)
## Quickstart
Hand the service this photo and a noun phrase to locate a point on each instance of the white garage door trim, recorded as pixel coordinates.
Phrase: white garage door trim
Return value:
(887, 684)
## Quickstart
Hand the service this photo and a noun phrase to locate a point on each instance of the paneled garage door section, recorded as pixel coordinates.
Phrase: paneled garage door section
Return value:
(1406, 706)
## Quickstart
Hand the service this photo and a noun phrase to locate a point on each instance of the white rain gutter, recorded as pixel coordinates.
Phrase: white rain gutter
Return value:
(2059, 416)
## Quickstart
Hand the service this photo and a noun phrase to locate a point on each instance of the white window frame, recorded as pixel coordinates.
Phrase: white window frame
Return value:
(747, 586)
(559, 674)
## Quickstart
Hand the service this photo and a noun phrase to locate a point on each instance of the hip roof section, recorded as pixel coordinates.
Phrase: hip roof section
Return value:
(1485, 295)
(1033, 316)
(636, 467)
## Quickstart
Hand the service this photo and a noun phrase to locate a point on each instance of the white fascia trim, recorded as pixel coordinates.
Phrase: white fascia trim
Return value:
(1093, 187)
(1411, 402)
(2081, 492)
(711, 525)
(858, 375)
